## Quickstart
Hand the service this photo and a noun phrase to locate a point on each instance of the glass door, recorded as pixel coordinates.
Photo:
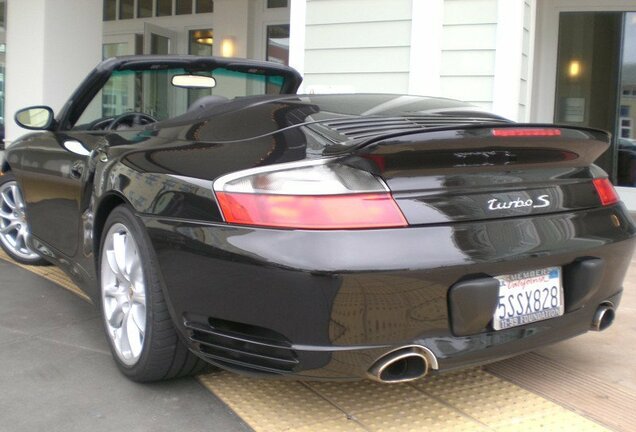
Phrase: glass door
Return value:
(115, 92)
(156, 95)
(159, 40)
(626, 118)
(588, 67)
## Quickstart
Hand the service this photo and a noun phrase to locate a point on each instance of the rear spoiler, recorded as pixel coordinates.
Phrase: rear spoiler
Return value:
(496, 144)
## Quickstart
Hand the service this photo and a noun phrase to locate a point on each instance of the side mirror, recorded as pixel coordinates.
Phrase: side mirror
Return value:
(35, 117)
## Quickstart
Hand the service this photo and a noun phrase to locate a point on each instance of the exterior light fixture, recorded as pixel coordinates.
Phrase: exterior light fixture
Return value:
(574, 69)
(228, 46)
(203, 37)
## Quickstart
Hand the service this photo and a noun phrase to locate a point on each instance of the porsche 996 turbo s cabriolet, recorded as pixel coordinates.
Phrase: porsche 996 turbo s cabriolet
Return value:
(216, 217)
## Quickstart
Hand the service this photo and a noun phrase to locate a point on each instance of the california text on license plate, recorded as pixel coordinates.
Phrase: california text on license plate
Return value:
(528, 296)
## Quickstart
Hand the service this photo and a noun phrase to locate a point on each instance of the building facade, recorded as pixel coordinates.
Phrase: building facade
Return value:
(565, 61)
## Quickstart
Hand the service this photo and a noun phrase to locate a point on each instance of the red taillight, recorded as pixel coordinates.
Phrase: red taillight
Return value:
(526, 132)
(606, 192)
(367, 210)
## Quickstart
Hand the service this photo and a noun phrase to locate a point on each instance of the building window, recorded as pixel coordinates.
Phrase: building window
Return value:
(277, 50)
(201, 42)
(626, 128)
(278, 43)
(110, 10)
(164, 8)
(271, 4)
(204, 6)
(624, 110)
(126, 9)
(184, 7)
(144, 8)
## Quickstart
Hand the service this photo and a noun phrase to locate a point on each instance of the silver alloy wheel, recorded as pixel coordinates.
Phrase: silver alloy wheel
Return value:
(123, 293)
(14, 230)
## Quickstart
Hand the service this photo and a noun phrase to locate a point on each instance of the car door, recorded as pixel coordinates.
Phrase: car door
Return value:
(53, 174)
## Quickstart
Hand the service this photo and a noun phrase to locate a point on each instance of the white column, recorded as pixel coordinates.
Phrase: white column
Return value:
(508, 58)
(297, 21)
(426, 47)
(51, 46)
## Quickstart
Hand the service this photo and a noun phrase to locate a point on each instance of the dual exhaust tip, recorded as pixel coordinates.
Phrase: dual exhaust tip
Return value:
(413, 362)
(404, 364)
(603, 317)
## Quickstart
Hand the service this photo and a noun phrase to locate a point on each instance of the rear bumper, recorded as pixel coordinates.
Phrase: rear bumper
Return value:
(327, 305)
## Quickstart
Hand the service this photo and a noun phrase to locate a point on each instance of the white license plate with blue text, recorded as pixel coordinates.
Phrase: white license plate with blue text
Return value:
(528, 296)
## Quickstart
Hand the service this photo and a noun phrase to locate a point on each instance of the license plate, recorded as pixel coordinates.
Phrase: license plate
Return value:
(528, 296)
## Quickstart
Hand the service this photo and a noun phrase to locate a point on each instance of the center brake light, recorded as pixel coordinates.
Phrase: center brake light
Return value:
(525, 132)
(313, 195)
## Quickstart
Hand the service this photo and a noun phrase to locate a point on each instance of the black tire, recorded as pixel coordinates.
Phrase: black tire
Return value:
(14, 244)
(163, 355)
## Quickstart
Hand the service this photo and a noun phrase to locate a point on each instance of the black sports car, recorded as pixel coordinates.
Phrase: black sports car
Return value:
(215, 215)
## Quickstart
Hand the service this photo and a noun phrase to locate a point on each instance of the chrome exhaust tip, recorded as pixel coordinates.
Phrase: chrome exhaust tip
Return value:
(403, 364)
(603, 317)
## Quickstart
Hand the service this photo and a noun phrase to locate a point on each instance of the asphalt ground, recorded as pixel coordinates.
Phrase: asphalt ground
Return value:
(57, 374)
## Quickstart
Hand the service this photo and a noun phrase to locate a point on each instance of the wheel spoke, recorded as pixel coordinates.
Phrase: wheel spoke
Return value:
(138, 314)
(20, 241)
(134, 335)
(111, 290)
(121, 342)
(8, 200)
(119, 247)
(112, 263)
(11, 227)
(5, 215)
(114, 311)
(17, 197)
(136, 275)
(131, 258)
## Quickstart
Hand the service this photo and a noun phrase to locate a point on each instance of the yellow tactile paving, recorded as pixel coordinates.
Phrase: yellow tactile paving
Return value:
(426, 415)
(505, 406)
(271, 405)
(51, 273)
(470, 400)
(439, 385)
(356, 397)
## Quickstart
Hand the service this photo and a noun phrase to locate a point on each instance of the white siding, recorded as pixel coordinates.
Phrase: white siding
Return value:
(375, 60)
(358, 83)
(468, 88)
(320, 12)
(357, 35)
(467, 12)
(468, 63)
(357, 45)
(481, 37)
(468, 50)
